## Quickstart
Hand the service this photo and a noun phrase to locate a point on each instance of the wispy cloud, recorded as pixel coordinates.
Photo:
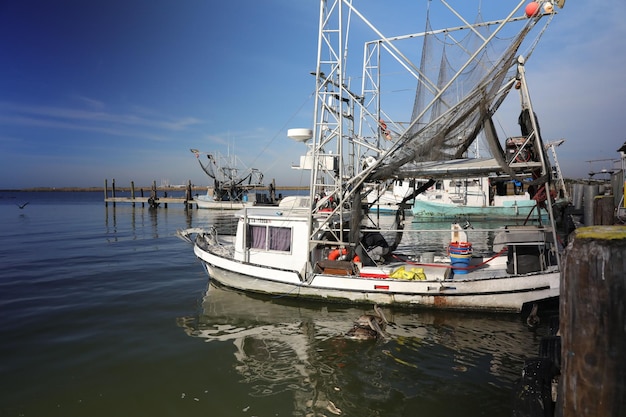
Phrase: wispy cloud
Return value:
(92, 103)
(94, 121)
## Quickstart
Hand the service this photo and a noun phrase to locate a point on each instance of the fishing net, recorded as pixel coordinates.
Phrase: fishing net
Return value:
(464, 77)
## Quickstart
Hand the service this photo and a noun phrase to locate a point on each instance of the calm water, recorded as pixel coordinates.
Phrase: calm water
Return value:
(105, 312)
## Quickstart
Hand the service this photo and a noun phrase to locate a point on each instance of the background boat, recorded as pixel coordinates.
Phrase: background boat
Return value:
(235, 186)
(475, 198)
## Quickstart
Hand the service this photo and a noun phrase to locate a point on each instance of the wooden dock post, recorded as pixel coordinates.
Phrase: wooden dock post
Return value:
(153, 196)
(593, 324)
(106, 192)
(113, 190)
(603, 210)
(188, 196)
(132, 191)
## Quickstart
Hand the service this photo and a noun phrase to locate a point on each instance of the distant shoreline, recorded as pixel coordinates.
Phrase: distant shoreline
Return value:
(125, 189)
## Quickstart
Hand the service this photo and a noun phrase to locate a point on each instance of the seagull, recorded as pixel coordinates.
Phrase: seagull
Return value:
(21, 206)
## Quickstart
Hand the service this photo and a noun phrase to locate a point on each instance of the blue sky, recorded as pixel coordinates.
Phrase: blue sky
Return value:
(95, 90)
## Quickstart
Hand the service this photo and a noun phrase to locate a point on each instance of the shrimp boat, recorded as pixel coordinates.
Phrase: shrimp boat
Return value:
(327, 246)
(235, 186)
(488, 197)
(388, 199)
(475, 198)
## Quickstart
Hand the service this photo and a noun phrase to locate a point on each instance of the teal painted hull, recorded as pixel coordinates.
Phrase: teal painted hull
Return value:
(515, 211)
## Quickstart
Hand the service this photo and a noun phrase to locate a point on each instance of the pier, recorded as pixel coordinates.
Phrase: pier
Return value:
(154, 200)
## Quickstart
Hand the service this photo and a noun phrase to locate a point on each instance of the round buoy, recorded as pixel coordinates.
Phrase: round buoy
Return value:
(532, 9)
(548, 7)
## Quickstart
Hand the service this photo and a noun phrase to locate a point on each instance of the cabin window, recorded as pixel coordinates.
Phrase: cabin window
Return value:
(269, 238)
(257, 237)
(279, 238)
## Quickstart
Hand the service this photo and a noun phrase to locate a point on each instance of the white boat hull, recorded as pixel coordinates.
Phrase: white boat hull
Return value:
(204, 202)
(478, 290)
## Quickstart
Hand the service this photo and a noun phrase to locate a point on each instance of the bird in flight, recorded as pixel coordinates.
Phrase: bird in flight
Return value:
(21, 206)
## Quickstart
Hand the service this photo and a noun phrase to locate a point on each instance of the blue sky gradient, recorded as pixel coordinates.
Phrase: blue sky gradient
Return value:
(95, 90)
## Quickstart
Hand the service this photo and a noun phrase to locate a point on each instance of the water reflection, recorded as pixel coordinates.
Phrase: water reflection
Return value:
(125, 221)
(224, 221)
(430, 357)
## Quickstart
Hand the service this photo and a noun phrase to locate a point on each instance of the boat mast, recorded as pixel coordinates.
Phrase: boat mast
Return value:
(540, 148)
(339, 152)
(334, 118)
(559, 174)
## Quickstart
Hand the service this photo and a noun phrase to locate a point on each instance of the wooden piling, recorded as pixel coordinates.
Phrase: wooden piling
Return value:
(153, 196)
(188, 195)
(593, 324)
(603, 210)
(132, 191)
(106, 193)
(113, 190)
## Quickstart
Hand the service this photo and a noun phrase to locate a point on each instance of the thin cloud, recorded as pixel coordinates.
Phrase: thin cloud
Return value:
(85, 120)
(94, 104)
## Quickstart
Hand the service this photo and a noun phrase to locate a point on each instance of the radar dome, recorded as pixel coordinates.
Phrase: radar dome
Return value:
(300, 135)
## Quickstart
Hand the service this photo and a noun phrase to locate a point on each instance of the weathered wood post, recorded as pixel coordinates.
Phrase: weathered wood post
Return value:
(142, 203)
(593, 324)
(106, 192)
(603, 210)
(113, 190)
(132, 192)
(152, 201)
(188, 196)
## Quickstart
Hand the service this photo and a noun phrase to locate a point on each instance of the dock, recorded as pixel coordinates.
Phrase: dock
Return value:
(153, 199)
(157, 196)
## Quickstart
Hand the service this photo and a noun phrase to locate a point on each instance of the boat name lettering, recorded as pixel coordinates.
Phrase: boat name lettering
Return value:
(259, 220)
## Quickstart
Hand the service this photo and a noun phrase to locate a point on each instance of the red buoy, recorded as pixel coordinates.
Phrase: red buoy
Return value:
(532, 9)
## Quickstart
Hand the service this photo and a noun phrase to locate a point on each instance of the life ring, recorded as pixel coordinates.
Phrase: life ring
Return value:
(333, 255)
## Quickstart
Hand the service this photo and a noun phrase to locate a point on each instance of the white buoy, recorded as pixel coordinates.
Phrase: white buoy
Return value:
(548, 7)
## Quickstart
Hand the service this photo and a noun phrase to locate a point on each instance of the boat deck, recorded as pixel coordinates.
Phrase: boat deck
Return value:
(438, 270)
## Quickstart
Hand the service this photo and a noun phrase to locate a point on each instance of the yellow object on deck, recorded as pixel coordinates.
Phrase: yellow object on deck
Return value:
(411, 274)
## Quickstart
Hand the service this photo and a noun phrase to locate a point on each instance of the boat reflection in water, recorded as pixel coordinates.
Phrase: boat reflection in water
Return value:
(429, 358)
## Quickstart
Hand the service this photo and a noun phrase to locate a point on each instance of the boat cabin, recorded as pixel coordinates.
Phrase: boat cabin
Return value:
(530, 248)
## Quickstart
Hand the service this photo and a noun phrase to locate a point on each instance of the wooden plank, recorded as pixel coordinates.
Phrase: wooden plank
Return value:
(145, 200)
